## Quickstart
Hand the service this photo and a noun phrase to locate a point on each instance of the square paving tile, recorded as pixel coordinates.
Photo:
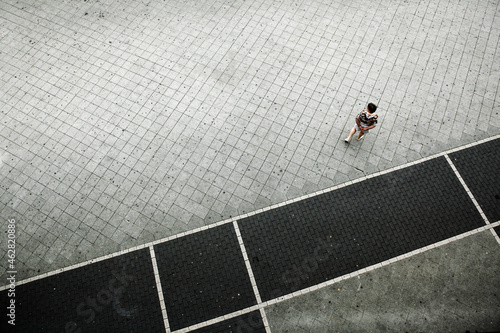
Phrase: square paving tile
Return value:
(203, 276)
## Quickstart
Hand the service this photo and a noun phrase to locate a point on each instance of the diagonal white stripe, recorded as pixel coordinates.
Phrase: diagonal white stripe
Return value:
(250, 274)
(159, 288)
(467, 189)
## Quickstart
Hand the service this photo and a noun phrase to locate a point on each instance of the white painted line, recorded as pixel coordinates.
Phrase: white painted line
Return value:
(467, 189)
(379, 265)
(218, 319)
(264, 319)
(159, 288)
(250, 274)
(247, 262)
(261, 306)
(496, 236)
(245, 215)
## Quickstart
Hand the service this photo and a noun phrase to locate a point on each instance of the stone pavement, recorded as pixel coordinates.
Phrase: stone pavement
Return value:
(227, 277)
(126, 122)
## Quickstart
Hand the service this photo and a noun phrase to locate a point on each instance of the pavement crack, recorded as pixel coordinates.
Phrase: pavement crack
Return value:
(360, 171)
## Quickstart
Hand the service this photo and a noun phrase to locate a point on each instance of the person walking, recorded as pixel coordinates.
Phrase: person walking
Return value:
(365, 121)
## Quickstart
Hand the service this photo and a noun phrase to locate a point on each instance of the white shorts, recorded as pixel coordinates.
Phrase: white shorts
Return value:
(359, 129)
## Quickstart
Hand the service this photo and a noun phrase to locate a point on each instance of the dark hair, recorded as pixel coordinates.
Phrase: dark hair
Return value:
(372, 108)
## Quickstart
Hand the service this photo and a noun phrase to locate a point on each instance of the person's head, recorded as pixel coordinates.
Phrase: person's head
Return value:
(371, 108)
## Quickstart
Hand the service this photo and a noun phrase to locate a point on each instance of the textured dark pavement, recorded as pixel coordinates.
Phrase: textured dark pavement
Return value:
(479, 166)
(114, 295)
(203, 276)
(336, 233)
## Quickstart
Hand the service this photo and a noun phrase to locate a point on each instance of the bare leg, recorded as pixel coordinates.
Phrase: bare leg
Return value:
(360, 135)
(351, 134)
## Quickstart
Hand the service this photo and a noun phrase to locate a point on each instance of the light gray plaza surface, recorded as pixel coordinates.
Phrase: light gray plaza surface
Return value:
(124, 122)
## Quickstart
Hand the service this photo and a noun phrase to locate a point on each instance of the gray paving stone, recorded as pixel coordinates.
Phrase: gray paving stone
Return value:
(119, 108)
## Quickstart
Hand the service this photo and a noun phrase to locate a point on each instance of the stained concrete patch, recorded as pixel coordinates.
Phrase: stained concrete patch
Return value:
(453, 288)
